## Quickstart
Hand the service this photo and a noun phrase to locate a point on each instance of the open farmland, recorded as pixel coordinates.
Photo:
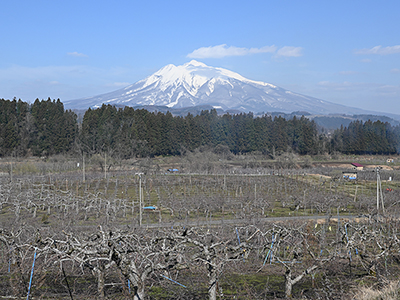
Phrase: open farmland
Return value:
(268, 230)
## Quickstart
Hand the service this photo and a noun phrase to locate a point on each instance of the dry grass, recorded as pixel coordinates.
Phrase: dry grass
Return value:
(389, 292)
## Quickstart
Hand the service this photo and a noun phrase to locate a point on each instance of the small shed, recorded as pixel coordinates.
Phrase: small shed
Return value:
(357, 166)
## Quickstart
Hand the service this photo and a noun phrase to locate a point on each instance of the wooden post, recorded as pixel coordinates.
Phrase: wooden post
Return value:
(83, 168)
(355, 194)
(105, 165)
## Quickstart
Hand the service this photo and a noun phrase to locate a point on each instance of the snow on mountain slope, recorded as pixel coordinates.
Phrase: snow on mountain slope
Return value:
(195, 83)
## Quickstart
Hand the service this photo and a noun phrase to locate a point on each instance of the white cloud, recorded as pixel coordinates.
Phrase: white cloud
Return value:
(380, 50)
(395, 71)
(389, 90)
(290, 51)
(366, 60)
(223, 50)
(265, 49)
(76, 54)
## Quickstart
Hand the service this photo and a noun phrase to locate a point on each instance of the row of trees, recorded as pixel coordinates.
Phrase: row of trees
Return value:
(45, 128)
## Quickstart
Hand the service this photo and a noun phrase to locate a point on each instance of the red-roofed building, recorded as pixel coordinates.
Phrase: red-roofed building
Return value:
(357, 166)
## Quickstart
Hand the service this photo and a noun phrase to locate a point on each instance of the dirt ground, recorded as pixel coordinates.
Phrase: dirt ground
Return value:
(349, 166)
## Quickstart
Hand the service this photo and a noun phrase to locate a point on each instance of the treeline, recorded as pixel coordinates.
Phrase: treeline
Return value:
(42, 128)
(128, 132)
(46, 128)
(367, 138)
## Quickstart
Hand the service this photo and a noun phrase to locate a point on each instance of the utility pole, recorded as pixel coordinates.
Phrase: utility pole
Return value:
(379, 193)
(140, 198)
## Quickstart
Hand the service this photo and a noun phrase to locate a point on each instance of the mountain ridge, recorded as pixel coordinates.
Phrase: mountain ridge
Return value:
(195, 84)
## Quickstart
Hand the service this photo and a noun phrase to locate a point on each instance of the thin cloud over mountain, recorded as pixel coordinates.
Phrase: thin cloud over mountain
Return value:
(223, 50)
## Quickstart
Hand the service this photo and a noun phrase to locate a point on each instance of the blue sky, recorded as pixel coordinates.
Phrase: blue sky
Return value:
(346, 52)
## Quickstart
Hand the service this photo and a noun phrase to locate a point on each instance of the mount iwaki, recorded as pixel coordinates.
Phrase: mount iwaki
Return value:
(196, 84)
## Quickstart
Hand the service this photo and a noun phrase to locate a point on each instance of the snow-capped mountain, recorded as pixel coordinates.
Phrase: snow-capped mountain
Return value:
(195, 83)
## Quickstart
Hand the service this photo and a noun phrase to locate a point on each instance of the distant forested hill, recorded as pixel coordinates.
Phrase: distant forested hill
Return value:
(332, 122)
